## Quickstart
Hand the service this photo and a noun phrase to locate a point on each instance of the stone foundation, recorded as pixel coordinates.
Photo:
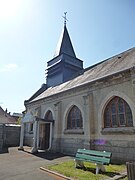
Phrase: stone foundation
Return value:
(122, 151)
(70, 146)
(28, 141)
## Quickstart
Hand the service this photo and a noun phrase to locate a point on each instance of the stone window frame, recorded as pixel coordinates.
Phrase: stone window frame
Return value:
(116, 114)
(74, 118)
(46, 111)
(49, 115)
(118, 130)
(77, 130)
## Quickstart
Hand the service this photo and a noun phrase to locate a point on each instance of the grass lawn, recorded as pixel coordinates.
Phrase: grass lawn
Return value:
(68, 169)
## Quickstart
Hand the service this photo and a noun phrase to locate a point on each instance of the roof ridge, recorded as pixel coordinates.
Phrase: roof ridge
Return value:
(108, 59)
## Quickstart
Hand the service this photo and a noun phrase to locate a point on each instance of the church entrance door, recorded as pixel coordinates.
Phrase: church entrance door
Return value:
(44, 136)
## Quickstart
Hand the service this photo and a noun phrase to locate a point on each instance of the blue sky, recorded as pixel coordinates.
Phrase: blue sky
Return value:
(30, 29)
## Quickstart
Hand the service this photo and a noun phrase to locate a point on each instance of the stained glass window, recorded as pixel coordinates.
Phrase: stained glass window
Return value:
(117, 114)
(74, 120)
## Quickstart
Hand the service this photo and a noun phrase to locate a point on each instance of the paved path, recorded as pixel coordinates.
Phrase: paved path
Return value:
(20, 165)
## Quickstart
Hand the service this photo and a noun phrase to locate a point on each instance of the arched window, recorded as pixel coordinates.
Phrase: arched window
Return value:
(74, 120)
(117, 114)
(49, 116)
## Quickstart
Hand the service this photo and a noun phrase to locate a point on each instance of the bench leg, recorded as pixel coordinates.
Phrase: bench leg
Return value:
(79, 163)
(100, 167)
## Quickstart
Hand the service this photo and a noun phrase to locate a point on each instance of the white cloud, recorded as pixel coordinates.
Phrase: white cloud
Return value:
(8, 67)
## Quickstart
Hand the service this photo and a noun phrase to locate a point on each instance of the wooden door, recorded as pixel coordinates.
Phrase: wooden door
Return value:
(44, 136)
(47, 135)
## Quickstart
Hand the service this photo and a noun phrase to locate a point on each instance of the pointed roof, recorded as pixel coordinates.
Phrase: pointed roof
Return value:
(64, 44)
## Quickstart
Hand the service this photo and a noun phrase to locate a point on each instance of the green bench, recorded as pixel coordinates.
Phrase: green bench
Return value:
(100, 158)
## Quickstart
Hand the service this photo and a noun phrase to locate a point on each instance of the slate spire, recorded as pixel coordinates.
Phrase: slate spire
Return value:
(64, 44)
(64, 65)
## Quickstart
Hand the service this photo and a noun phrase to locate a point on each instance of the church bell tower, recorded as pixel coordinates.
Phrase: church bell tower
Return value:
(64, 64)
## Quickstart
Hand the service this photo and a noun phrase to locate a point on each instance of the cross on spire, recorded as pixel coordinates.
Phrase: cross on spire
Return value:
(65, 18)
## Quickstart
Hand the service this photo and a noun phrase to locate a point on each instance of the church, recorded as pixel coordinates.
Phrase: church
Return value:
(91, 108)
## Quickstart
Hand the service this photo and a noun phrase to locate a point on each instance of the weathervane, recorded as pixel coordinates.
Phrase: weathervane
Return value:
(65, 19)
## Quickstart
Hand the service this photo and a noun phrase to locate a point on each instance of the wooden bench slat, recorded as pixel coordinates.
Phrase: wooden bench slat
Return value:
(92, 161)
(85, 157)
(96, 153)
